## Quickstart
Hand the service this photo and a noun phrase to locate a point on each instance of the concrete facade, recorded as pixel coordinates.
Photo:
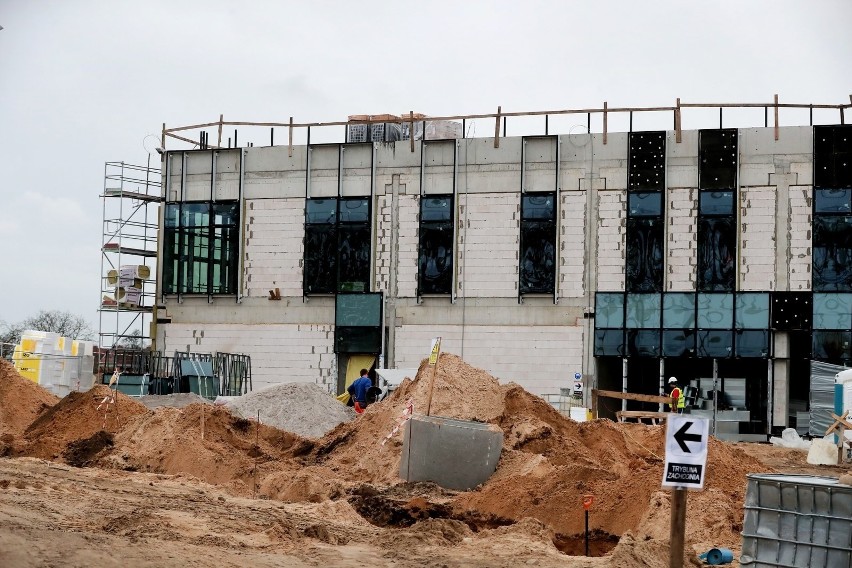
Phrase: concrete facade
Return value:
(539, 341)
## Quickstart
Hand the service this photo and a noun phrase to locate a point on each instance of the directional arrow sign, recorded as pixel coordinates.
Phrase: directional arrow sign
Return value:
(686, 451)
(682, 436)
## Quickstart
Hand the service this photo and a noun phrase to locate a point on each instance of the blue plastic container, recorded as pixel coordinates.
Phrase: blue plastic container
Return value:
(716, 556)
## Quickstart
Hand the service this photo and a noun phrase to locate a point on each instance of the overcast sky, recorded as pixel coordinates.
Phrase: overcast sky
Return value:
(84, 82)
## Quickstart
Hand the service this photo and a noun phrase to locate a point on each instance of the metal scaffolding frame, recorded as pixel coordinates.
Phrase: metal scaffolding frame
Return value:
(131, 203)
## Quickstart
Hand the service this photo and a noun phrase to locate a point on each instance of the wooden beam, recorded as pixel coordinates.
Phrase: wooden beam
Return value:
(630, 396)
(776, 117)
(219, 142)
(677, 122)
(497, 127)
(290, 146)
(411, 129)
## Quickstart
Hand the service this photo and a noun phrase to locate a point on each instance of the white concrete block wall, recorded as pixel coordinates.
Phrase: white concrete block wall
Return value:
(572, 247)
(757, 238)
(801, 219)
(274, 249)
(488, 244)
(611, 219)
(542, 359)
(279, 353)
(384, 241)
(681, 239)
(404, 249)
(408, 246)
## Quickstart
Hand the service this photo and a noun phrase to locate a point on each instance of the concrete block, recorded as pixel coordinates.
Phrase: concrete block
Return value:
(456, 454)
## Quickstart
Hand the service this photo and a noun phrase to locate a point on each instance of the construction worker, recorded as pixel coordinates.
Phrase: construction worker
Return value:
(358, 390)
(678, 402)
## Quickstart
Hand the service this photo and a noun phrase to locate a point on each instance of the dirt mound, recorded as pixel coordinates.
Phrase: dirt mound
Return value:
(21, 402)
(548, 463)
(621, 465)
(79, 416)
(460, 391)
(303, 408)
(205, 441)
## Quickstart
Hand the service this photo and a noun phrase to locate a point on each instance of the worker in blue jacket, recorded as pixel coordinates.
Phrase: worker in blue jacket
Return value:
(358, 389)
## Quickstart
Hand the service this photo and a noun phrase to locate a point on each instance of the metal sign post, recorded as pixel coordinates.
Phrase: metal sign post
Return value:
(587, 504)
(684, 468)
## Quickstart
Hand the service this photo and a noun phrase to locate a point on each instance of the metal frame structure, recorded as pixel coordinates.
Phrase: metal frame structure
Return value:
(131, 199)
(676, 110)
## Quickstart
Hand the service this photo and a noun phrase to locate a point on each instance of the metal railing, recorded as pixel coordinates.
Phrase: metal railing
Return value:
(500, 119)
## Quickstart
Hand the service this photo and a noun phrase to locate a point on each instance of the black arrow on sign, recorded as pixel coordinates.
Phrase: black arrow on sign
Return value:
(681, 436)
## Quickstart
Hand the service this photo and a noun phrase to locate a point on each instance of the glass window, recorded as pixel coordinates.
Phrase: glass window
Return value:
(609, 310)
(609, 343)
(436, 208)
(201, 248)
(716, 202)
(832, 311)
(353, 255)
(752, 343)
(321, 211)
(435, 258)
(645, 204)
(717, 253)
(337, 245)
(320, 259)
(832, 345)
(538, 206)
(537, 270)
(678, 343)
(358, 310)
(643, 311)
(715, 311)
(678, 310)
(715, 343)
(645, 253)
(643, 343)
(832, 253)
(752, 310)
(833, 201)
(354, 210)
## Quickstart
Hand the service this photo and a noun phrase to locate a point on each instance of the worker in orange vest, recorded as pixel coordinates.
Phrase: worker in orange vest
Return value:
(678, 402)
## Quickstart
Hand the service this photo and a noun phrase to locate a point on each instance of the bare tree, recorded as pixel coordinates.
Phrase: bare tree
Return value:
(132, 341)
(56, 321)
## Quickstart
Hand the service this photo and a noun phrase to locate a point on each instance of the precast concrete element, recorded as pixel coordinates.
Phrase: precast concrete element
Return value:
(456, 454)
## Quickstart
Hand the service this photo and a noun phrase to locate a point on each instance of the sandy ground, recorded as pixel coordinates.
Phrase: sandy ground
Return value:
(83, 484)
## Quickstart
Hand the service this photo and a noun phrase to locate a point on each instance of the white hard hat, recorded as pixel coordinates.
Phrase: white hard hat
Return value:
(672, 380)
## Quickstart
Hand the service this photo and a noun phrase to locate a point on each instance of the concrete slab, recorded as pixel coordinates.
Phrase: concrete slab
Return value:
(456, 454)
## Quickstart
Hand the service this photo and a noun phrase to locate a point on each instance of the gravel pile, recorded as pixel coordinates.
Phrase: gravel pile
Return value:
(176, 400)
(305, 409)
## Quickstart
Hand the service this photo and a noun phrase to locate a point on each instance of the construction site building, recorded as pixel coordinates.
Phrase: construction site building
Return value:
(562, 262)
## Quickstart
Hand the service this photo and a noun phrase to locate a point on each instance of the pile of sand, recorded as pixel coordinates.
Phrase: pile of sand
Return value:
(21, 401)
(205, 441)
(303, 408)
(548, 463)
(79, 416)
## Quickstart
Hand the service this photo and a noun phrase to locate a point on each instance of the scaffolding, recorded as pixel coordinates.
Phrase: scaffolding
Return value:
(131, 202)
